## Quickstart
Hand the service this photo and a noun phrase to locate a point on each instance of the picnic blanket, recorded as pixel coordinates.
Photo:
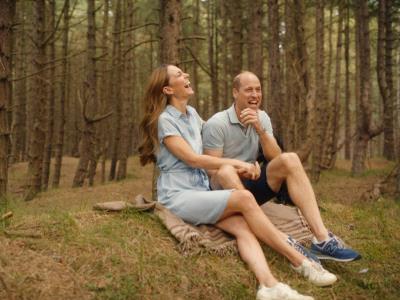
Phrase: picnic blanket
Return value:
(196, 239)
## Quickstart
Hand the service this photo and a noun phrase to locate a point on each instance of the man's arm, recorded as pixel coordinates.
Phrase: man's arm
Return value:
(268, 143)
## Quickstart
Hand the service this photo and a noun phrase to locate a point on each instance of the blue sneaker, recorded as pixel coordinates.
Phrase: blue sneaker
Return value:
(300, 248)
(334, 249)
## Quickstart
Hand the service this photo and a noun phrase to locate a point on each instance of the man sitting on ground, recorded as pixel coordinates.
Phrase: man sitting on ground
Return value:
(239, 132)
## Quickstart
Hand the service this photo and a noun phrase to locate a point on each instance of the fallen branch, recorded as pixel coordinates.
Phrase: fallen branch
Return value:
(7, 215)
(27, 234)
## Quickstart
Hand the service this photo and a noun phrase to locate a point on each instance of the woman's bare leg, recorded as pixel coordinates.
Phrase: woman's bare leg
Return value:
(243, 202)
(249, 248)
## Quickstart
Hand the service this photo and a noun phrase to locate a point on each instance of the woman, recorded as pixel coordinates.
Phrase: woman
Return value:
(171, 133)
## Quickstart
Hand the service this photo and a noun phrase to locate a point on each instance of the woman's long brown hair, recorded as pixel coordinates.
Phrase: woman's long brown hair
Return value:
(155, 101)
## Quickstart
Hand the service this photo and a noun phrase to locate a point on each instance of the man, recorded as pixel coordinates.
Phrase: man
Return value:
(241, 132)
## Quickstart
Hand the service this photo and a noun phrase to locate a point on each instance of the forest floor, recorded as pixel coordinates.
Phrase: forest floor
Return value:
(66, 250)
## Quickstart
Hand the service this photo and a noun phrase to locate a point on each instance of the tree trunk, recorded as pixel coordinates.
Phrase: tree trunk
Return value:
(212, 55)
(89, 105)
(7, 10)
(195, 76)
(127, 95)
(51, 95)
(38, 135)
(347, 116)
(255, 38)
(18, 140)
(275, 94)
(170, 23)
(225, 76)
(320, 95)
(117, 71)
(235, 12)
(332, 135)
(104, 90)
(59, 145)
(388, 116)
(170, 26)
(365, 127)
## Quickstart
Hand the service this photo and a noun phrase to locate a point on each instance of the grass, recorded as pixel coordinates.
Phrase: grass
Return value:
(84, 254)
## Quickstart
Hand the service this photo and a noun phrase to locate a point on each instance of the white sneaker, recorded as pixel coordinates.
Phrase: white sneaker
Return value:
(315, 273)
(280, 291)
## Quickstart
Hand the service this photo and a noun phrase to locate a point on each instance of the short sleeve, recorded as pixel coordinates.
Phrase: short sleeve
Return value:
(266, 123)
(167, 127)
(200, 121)
(213, 135)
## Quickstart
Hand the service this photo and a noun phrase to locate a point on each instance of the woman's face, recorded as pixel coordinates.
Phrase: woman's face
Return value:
(179, 84)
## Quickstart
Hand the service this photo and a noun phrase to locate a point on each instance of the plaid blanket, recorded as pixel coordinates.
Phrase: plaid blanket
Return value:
(196, 239)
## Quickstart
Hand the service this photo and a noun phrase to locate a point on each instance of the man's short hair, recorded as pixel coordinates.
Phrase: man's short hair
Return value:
(236, 80)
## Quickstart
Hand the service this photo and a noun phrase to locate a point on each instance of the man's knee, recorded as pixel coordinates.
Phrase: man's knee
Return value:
(290, 161)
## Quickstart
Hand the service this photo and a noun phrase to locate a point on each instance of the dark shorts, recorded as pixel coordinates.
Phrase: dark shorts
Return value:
(262, 191)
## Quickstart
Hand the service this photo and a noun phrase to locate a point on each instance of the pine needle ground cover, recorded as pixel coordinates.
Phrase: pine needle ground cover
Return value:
(57, 247)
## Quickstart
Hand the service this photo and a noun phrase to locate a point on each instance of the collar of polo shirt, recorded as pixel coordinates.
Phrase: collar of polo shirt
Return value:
(175, 112)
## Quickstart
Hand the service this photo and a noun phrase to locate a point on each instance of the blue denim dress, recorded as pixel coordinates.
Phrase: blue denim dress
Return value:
(182, 189)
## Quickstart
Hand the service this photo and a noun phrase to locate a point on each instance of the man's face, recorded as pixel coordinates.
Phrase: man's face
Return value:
(249, 94)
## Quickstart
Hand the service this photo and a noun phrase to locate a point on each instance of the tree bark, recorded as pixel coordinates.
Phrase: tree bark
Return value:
(320, 95)
(213, 55)
(170, 22)
(7, 10)
(116, 90)
(59, 145)
(38, 135)
(236, 26)
(18, 136)
(170, 28)
(275, 93)
(255, 38)
(51, 95)
(127, 96)
(347, 115)
(366, 129)
(332, 136)
(89, 103)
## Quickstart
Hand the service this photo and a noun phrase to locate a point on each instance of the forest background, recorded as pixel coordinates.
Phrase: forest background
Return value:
(73, 73)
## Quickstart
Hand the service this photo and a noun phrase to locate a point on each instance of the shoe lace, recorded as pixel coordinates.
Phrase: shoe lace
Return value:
(314, 271)
(298, 247)
(339, 242)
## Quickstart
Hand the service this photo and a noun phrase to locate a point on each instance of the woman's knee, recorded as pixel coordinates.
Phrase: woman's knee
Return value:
(244, 200)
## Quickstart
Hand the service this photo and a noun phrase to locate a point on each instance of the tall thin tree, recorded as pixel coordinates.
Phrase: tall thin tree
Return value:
(38, 103)
(7, 10)
(87, 147)
(59, 145)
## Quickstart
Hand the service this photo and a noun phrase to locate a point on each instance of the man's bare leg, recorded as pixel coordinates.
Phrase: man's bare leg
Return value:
(227, 178)
(287, 166)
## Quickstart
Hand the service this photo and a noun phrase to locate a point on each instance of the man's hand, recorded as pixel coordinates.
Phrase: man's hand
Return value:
(250, 171)
(249, 116)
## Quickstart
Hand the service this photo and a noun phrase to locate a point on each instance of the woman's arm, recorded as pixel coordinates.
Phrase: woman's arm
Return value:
(180, 148)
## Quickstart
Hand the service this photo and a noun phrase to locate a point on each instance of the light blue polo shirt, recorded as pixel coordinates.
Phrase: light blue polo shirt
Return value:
(223, 131)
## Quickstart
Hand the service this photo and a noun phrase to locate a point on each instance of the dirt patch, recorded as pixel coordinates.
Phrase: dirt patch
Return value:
(26, 274)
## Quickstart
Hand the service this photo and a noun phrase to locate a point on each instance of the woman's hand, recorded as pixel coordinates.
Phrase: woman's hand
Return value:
(249, 171)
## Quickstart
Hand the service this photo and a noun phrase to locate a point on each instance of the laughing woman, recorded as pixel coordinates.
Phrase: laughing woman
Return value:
(171, 137)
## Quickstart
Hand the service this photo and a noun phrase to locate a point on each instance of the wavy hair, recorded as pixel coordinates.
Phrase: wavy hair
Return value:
(155, 101)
